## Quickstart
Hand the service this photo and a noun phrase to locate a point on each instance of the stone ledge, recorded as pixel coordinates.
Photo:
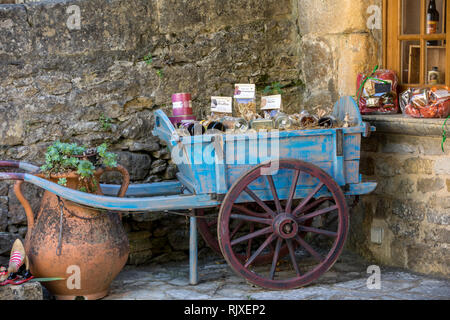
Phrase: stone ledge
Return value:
(401, 124)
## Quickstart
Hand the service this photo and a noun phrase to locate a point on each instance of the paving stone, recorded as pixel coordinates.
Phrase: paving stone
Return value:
(219, 282)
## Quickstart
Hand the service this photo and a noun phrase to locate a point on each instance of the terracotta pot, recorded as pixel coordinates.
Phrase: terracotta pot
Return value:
(92, 244)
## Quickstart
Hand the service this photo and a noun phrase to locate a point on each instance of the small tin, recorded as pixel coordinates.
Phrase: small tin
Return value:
(182, 104)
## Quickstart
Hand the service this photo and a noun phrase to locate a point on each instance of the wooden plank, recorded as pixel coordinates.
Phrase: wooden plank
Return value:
(146, 204)
(423, 43)
(143, 190)
(447, 72)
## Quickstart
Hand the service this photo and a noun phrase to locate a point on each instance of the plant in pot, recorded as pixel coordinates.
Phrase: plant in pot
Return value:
(86, 246)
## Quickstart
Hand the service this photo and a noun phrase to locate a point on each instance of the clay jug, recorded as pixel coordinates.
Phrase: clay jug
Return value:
(85, 246)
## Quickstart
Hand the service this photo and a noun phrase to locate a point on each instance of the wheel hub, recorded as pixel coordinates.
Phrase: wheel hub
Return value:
(285, 226)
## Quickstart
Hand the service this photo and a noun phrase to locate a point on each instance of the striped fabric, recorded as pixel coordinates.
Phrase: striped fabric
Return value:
(16, 260)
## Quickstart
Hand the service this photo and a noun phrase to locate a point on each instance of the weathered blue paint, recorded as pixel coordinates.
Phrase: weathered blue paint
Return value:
(202, 170)
(146, 204)
(145, 190)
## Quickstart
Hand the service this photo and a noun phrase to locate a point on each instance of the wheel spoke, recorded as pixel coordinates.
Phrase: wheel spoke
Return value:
(315, 214)
(292, 192)
(236, 229)
(249, 212)
(306, 200)
(308, 248)
(318, 231)
(315, 204)
(275, 258)
(260, 202)
(251, 219)
(260, 249)
(252, 235)
(292, 255)
(274, 194)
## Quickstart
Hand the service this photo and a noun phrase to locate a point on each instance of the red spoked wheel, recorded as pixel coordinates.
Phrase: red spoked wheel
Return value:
(313, 228)
(208, 230)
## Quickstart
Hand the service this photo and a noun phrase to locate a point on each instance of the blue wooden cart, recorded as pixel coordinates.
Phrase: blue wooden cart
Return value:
(283, 217)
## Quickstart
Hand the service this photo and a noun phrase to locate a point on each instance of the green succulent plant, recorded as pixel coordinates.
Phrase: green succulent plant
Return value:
(65, 157)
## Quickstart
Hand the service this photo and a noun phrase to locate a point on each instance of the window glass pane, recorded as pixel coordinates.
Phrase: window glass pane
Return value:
(410, 51)
(436, 64)
(411, 16)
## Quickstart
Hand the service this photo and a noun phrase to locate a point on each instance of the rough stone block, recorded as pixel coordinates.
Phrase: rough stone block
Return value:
(405, 229)
(442, 166)
(140, 257)
(158, 166)
(26, 291)
(140, 245)
(430, 184)
(409, 210)
(431, 146)
(438, 235)
(428, 259)
(438, 216)
(366, 166)
(137, 165)
(179, 239)
(132, 236)
(6, 241)
(418, 166)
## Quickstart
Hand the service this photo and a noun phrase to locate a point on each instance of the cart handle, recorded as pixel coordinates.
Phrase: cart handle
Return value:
(19, 165)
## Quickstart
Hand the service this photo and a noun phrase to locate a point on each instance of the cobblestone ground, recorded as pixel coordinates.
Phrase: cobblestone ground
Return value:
(346, 280)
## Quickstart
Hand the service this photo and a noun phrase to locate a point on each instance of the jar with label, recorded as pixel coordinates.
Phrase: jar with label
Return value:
(434, 76)
(239, 125)
(282, 121)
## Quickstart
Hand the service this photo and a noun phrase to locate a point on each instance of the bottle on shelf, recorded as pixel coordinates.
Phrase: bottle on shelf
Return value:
(432, 21)
(434, 76)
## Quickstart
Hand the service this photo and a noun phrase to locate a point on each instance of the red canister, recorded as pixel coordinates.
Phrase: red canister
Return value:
(181, 104)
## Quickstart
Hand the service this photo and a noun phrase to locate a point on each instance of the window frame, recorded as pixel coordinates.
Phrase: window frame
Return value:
(393, 37)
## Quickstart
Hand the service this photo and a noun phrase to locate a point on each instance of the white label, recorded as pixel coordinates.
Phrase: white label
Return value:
(177, 105)
(222, 104)
(271, 102)
(244, 91)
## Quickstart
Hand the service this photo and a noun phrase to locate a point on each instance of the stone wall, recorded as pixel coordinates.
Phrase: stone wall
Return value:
(61, 81)
(410, 208)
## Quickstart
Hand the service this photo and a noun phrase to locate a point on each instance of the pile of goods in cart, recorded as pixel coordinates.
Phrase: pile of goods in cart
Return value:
(240, 115)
